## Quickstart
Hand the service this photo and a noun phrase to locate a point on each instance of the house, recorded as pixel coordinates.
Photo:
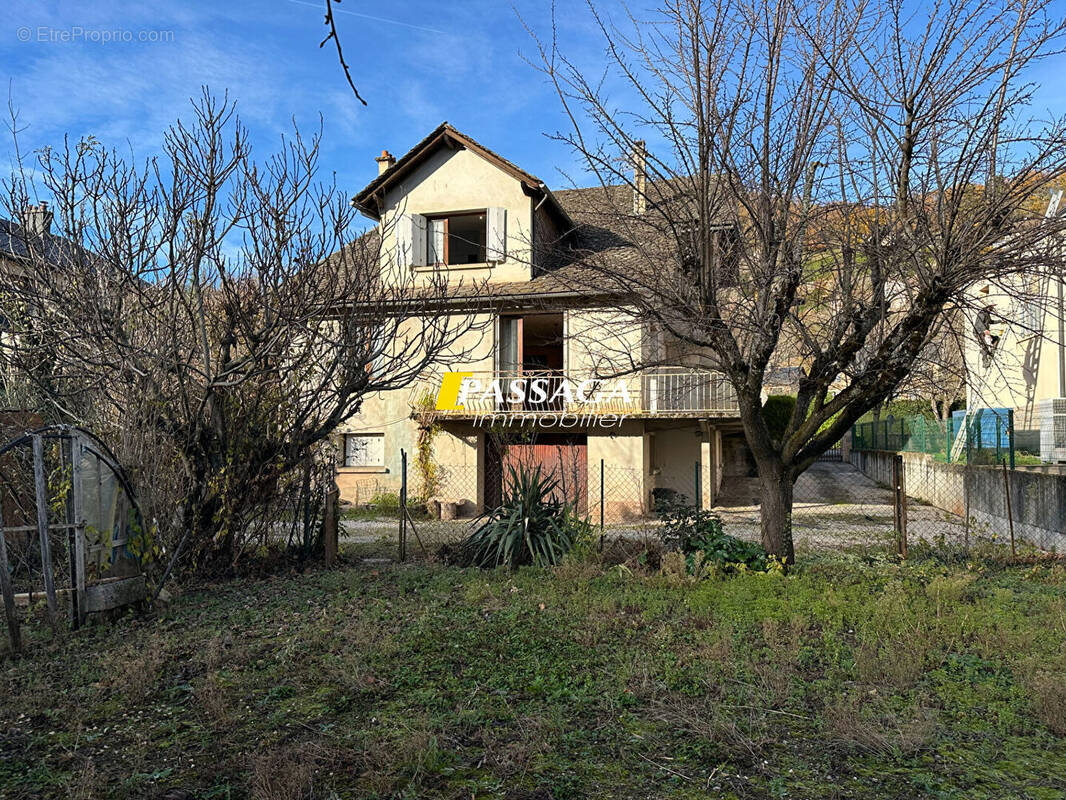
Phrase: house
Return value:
(551, 371)
(18, 241)
(1016, 350)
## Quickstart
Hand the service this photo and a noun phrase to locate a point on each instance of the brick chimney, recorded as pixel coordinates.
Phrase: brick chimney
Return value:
(38, 219)
(385, 160)
(640, 177)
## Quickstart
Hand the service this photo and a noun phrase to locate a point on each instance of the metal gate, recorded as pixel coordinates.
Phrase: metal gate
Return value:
(70, 527)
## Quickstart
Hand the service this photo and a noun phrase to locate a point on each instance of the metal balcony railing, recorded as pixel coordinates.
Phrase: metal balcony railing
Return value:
(664, 392)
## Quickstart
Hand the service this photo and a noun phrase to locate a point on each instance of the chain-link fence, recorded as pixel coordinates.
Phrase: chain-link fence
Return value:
(628, 509)
(872, 498)
(965, 505)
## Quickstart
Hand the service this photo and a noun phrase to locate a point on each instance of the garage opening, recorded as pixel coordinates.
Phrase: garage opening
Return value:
(564, 457)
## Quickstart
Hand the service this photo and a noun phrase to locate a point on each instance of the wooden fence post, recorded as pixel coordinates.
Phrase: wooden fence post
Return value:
(330, 524)
(77, 503)
(41, 492)
(899, 505)
(8, 592)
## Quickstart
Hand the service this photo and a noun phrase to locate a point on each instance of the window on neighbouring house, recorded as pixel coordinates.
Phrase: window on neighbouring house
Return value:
(364, 450)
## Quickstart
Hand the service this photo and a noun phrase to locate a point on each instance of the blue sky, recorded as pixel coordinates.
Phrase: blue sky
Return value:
(416, 63)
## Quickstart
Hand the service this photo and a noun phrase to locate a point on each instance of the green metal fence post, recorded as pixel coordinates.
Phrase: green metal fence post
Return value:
(999, 426)
(602, 532)
(403, 506)
(1010, 435)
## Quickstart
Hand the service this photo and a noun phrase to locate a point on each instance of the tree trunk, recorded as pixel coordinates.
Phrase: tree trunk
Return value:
(775, 512)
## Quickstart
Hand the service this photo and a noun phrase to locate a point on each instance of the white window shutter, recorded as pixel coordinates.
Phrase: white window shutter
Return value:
(410, 240)
(404, 237)
(496, 234)
(436, 241)
(418, 257)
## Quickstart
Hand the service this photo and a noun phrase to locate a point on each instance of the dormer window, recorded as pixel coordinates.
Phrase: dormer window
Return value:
(457, 238)
(454, 239)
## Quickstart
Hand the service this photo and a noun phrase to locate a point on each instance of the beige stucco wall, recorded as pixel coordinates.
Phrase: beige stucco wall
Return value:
(624, 453)
(389, 413)
(604, 341)
(675, 453)
(1025, 368)
(459, 180)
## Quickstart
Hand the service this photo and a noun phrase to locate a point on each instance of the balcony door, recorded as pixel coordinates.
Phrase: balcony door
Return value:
(532, 346)
(510, 350)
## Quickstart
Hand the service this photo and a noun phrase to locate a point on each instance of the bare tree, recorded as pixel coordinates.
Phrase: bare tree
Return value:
(332, 36)
(824, 180)
(225, 307)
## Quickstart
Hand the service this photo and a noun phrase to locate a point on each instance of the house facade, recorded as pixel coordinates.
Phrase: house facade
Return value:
(550, 370)
(1016, 350)
(17, 239)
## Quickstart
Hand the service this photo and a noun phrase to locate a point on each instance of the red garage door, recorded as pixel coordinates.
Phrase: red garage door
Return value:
(563, 457)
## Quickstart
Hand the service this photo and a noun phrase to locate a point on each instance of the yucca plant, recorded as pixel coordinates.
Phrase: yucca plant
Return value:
(531, 526)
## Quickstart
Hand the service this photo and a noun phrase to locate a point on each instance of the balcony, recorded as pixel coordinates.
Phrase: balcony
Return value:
(665, 393)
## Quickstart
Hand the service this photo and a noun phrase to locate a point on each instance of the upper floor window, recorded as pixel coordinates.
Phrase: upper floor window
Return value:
(466, 237)
(457, 239)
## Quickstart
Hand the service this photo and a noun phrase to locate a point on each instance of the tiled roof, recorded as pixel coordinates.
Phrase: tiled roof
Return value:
(444, 135)
(602, 235)
(17, 243)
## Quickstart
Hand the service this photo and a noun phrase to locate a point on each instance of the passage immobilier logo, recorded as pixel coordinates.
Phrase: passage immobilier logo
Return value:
(546, 400)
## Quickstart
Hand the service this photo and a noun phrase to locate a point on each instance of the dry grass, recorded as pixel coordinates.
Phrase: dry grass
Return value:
(133, 671)
(867, 727)
(86, 783)
(897, 664)
(740, 733)
(1049, 700)
(286, 772)
(213, 700)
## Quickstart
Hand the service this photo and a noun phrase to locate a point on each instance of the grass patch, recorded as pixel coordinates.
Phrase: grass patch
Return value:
(851, 677)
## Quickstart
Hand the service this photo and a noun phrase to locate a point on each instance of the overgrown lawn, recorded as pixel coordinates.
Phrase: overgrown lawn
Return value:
(852, 677)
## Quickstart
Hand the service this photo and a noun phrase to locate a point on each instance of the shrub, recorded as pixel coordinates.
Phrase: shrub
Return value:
(699, 535)
(386, 501)
(532, 526)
